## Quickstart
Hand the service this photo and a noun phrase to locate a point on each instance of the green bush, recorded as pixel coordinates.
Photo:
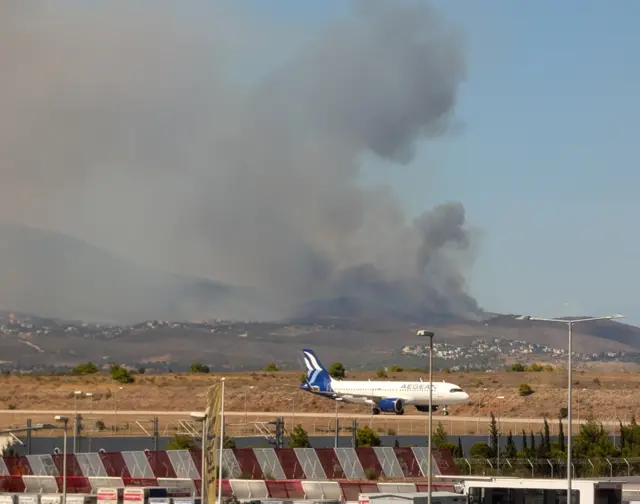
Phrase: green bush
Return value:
(299, 438)
(367, 437)
(337, 370)
(198, 367)
(121, 375)
(271, 368)
(525, 390)
(87, 368)
(480, 450)
(180, 442)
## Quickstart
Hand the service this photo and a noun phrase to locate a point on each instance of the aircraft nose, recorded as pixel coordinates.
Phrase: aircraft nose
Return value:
(466, 396)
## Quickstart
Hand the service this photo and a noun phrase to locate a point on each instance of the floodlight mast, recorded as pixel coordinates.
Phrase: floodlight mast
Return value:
(570, 323)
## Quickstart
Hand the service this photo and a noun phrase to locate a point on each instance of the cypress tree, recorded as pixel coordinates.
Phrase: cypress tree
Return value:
(563, 447)
(532, 438)
(547, 438)
(493, 436)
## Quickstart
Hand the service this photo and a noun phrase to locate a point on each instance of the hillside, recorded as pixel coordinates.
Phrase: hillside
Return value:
(58, 276)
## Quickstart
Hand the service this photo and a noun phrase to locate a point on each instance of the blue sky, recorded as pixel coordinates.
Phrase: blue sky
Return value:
(546, 163)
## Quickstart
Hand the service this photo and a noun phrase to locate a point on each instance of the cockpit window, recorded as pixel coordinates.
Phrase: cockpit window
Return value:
(456, 390)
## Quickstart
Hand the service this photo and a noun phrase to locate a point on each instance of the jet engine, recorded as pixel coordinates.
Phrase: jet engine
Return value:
(392, 406)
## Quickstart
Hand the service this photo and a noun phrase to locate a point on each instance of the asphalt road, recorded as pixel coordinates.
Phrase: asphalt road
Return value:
(286, 414)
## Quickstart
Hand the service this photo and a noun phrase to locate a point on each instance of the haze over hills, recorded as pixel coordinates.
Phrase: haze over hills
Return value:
(56, 276)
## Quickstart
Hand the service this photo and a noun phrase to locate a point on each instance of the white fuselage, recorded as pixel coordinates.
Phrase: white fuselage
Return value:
(414, 393)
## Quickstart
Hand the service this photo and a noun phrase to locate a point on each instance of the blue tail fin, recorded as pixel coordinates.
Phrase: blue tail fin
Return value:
(318, 378)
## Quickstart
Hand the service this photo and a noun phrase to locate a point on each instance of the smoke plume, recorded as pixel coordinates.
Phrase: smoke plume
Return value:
(177, 137)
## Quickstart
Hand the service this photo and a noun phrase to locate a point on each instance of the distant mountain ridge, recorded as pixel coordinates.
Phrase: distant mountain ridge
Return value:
(55, 276)
(58, 276)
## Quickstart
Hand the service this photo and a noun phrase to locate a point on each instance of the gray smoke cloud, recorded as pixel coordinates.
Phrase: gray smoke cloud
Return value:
(125, 125)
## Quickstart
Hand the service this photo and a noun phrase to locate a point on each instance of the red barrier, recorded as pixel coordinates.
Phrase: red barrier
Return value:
(12, 484)
(285, 489)
(75, 484)
(330, 463)
(290, 464)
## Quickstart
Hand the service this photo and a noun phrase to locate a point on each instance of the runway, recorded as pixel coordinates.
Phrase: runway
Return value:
(289, 414)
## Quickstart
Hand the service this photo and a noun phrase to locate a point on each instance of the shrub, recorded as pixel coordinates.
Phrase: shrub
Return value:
(198, 367)
(180, 442)
(299, 438)
(564, 412)
(480, 450)
(396, 369)
(381, 373)
(517, 368)
(525, 389)
(367, 437)
(87, 368)
(271, 368)
(337, 370)
(121, 375)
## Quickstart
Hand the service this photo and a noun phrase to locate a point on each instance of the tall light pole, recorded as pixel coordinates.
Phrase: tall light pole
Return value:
(221, 445)
(60, 418)
(337, 399)
(203, 462)
(570, 323)
(429, 334)
(499, 428)
(75, 419)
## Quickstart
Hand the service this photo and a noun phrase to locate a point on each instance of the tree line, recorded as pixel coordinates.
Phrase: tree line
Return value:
(592, 442)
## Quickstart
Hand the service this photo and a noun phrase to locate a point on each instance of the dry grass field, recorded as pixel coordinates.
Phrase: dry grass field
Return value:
(603, 394)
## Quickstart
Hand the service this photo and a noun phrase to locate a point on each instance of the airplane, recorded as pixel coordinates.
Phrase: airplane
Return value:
(382, 396)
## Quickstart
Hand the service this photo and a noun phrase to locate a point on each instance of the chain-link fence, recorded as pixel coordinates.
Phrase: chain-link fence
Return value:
(550, 468)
